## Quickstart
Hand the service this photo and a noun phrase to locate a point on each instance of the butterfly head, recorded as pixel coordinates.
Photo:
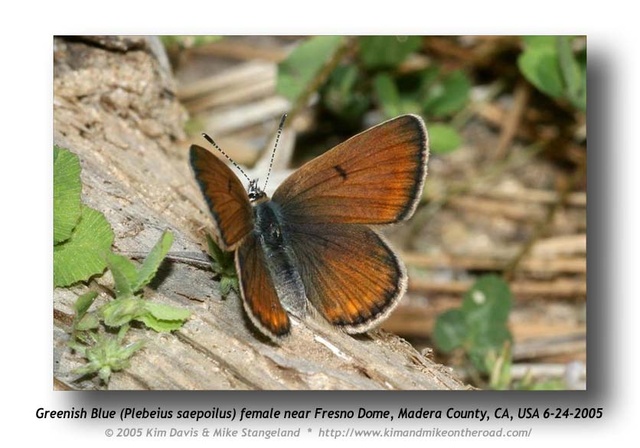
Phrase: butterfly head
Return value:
(255, 192)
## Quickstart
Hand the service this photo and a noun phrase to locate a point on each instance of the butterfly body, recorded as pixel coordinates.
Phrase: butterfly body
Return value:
(311, 246)
(271, 232)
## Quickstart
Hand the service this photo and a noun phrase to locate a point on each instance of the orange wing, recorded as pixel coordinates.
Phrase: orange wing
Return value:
(257, 290)
(375, 177)
(350, 274)
(227, 198)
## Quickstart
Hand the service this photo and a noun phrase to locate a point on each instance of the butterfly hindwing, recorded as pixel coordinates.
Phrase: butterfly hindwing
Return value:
(350, 274)
(258, 292)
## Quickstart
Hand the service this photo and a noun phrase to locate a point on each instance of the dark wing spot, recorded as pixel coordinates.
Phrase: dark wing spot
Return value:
(341, 171)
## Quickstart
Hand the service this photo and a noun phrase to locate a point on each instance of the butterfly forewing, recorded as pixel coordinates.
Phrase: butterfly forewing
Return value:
(226, 197)
(375, 177)
(351, 276)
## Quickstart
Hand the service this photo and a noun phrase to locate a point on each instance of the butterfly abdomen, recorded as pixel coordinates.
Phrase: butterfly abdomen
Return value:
(271, 232)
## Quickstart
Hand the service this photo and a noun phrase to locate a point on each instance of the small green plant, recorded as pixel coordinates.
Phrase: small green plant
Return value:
(223, 265)
(82, 249)
(552, 66)
(128, 306)
(371, 76)
(430, 92)
(479, 327)
(105, 351)
(500, 375)
(81, 236)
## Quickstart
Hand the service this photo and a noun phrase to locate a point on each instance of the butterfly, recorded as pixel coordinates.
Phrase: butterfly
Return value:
(310, 249)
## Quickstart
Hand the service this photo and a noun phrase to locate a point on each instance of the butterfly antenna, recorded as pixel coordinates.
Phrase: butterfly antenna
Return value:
(210, 140)
(273, 153)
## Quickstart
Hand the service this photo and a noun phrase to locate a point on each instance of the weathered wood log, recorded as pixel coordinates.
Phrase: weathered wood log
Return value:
(114, 106)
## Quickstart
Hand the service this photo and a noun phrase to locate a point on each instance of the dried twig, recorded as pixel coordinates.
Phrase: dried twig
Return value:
(511, 124)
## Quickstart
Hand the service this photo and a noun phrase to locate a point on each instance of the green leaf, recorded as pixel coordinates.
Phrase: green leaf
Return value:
(488, 301)
(573, 72)
(549, 63)
(66, 194)
(482, 357)
(486, 308)
(83, 303)
(87, 322)
(161, 326)
(163, 318)
(83, 321)
(122, 310)
(304, 63)
(427, 78)
(487, 334)
(540, 43)
(166, 312)
(450, 331)
(152, 262)
(222, 263)
(387, 95)
(228, 284)
(569, 66)
(479, 325)
(379, 52)
(125, 274)
(82, 255)
(344, 95)
(579, 99)
(484, 342)
(443, 138)
(156, 316)
(540, 66)
(449, 95)
(543, 71)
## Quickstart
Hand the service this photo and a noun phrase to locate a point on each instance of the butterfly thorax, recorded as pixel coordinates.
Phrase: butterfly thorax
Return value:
(270, 229)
